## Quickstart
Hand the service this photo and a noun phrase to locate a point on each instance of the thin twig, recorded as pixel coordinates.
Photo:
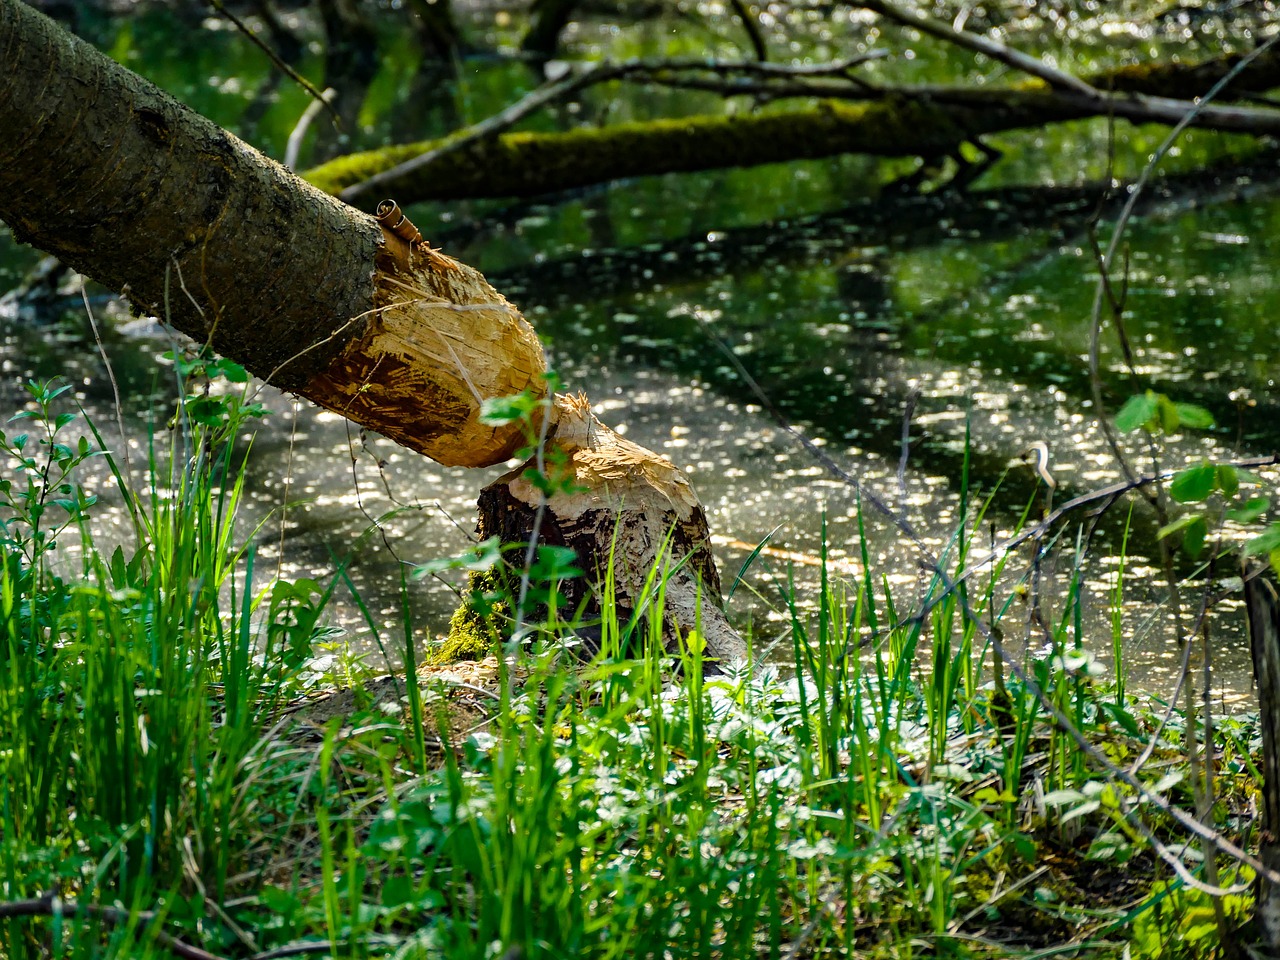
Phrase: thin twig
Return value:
(908, 410)
(1122, 221)
(531, 548)
(978, 44)
(299, 133)
(752, 27)
(1104, 495)
(111, 377)
(51, 905)
(307, 947)
(275, 59)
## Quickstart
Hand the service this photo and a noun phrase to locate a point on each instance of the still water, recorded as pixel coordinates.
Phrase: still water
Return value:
(922, 339)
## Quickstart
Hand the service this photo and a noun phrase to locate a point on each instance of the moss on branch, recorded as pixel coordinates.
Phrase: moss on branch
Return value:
(527, 164)
(927, 122)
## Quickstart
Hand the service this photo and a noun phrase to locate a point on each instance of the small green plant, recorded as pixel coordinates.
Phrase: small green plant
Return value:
(1158, 415)
(42, 497)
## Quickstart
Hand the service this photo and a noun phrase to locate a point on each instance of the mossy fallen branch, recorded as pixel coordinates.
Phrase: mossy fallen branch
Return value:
(916, 121)
(527, 164)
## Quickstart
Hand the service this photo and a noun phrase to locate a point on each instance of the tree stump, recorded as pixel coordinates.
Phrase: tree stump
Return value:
(627, 506)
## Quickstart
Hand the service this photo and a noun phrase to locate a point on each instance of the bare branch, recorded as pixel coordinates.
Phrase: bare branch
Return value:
(570, 84)
(978, 44)
(752, 26)
(51, 905)
(299, 79)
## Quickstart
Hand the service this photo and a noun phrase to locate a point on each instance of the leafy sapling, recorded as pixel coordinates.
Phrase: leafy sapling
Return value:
(514, 589)
(1158, 415)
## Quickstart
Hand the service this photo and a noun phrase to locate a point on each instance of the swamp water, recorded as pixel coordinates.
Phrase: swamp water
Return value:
(866, 313)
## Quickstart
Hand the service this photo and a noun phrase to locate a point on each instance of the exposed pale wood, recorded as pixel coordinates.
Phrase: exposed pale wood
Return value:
(633, 507)
(440, 343)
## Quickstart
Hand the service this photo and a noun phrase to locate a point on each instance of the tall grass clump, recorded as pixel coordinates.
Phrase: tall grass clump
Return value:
(135, 681)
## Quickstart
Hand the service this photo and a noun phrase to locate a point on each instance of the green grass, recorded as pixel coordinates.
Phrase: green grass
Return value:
(876, 793)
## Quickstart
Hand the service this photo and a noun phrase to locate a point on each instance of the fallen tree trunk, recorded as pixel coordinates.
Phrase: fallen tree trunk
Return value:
(130, 187)
(902, 121)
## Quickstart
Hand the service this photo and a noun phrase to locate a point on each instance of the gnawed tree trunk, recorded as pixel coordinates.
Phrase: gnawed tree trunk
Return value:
(130, 187)
(904, 122)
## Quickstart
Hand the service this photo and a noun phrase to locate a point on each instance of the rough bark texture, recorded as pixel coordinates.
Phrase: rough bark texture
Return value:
(1263, 606)
(124, 183)
(923, 121)
(632, 508)
(128, 186)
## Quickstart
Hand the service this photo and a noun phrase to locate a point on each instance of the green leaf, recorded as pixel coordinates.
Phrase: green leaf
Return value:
(484, 556)
(1195, 417)
(500, 411)
(1121, 717)
(1194, 484)
(1083, 810)
(1168, 414)
(1228, 479)
(1193, 539)
(1265, 542)
(233, 371)
(1058, 798)
(1250, 511)
(1109, 846)
(554, 563)
(1024, 847)
(1136, 412)
(1169, 529)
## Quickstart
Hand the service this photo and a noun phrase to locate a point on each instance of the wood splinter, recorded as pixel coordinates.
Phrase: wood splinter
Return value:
(392, 218)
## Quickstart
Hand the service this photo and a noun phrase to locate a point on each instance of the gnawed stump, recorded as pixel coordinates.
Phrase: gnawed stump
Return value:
(628, 506)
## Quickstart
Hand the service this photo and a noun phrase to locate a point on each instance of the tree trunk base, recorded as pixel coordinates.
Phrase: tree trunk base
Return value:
(625, 512)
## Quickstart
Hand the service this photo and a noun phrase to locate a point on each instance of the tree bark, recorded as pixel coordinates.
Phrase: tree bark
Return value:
(1263, 606)
(128, 186)
(907, 121)
(125, 184)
